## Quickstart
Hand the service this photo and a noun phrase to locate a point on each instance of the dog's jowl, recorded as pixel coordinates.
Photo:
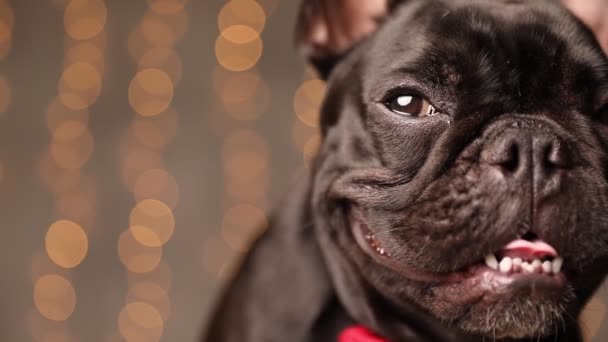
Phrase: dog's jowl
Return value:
(460, 192)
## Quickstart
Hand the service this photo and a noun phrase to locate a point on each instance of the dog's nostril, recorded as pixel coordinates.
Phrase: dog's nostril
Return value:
(512, 160)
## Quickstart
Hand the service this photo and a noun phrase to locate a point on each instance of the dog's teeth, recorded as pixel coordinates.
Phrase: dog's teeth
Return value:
(527, 268)
(547, 265)
(557, 265)
(536, 263)
(491, 261)
(505, 265)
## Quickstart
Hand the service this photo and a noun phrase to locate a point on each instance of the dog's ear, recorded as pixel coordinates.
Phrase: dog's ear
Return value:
(327, 29)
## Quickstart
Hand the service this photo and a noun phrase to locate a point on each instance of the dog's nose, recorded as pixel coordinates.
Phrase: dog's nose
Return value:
(527, 152)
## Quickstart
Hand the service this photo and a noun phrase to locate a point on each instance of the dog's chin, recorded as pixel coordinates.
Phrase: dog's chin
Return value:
(479, 299)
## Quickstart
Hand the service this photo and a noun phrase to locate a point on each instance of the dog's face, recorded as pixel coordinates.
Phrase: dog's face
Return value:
(463, 171)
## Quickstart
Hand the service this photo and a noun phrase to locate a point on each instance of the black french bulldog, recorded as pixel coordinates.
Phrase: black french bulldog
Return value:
(460, 192)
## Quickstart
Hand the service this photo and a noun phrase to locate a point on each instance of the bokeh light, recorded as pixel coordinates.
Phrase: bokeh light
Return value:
(86, 52)
(79, 85)
(167, 6)
(152, 223)
(5, 94)
(239, 55)
(307, 101)
(66, 243)
(217, 257)
(139, 321)
(246, 155)
(150, 92)
(7, 23)
(165, 59)
(54, 297)
(152, 294)
(156, 131)
(240, 225)
(73, 154)
(84, 19)
(78, 204)
(136, 257)
(157, 184)
(57, 179)
(57, 114)
(246, 13)
(245, 95)
(161, 276)
(136, 160)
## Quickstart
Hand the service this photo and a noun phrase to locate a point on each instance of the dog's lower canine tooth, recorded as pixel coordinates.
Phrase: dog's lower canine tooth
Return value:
(556, 266)
(505, 265)
(547, 266)
(491, 261)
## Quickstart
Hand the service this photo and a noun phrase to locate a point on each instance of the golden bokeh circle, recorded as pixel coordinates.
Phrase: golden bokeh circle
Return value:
(244, 95)
(240, 34)
(157, 184)
(235, 86)
(73, 154)
(69, 131)
(54, 297)
(240, 223)
(238, 56)
(164, 29)
(85, 19)
(79, 85)
(307, 101)
(5, 94)
(165, 59)
(136, 257)
(167, 6)
(153, 294)
(311, 148)
(243, 13)
(57, 114)
(247, 191)
(150, 92)
(78, 203)
(152, 217)
(6, 38)
(57, 179)
(216, 257)
(7, 14)
(85, 52)
(140, 322)
(161, 276)
(246, 156)
(66, 243)
(136, 159)
(301, 134)
(59, 335)
(155, 131)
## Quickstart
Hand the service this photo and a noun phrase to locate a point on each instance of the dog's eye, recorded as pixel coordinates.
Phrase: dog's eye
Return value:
(411, 105)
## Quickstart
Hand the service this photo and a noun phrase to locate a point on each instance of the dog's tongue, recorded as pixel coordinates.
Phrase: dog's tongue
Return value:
(522, 248)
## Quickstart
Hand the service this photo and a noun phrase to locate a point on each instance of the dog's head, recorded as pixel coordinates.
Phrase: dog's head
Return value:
(463, 169)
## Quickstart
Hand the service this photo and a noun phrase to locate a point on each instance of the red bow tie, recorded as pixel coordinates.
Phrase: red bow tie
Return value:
(357, 333)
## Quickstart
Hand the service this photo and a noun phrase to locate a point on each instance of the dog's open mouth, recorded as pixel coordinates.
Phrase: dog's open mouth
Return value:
(520, 260)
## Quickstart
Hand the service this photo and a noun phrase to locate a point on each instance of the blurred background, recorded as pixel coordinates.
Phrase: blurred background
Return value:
(143, 144)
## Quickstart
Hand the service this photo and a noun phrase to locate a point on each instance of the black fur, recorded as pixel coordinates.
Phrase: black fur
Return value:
(429, 188)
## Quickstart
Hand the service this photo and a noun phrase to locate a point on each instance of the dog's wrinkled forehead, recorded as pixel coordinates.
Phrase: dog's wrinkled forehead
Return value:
(509, 49)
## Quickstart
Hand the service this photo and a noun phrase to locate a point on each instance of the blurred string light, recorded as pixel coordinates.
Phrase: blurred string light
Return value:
(243, 96)
(62, 164)
(151, 46)
(7, 24)
(307, 102)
